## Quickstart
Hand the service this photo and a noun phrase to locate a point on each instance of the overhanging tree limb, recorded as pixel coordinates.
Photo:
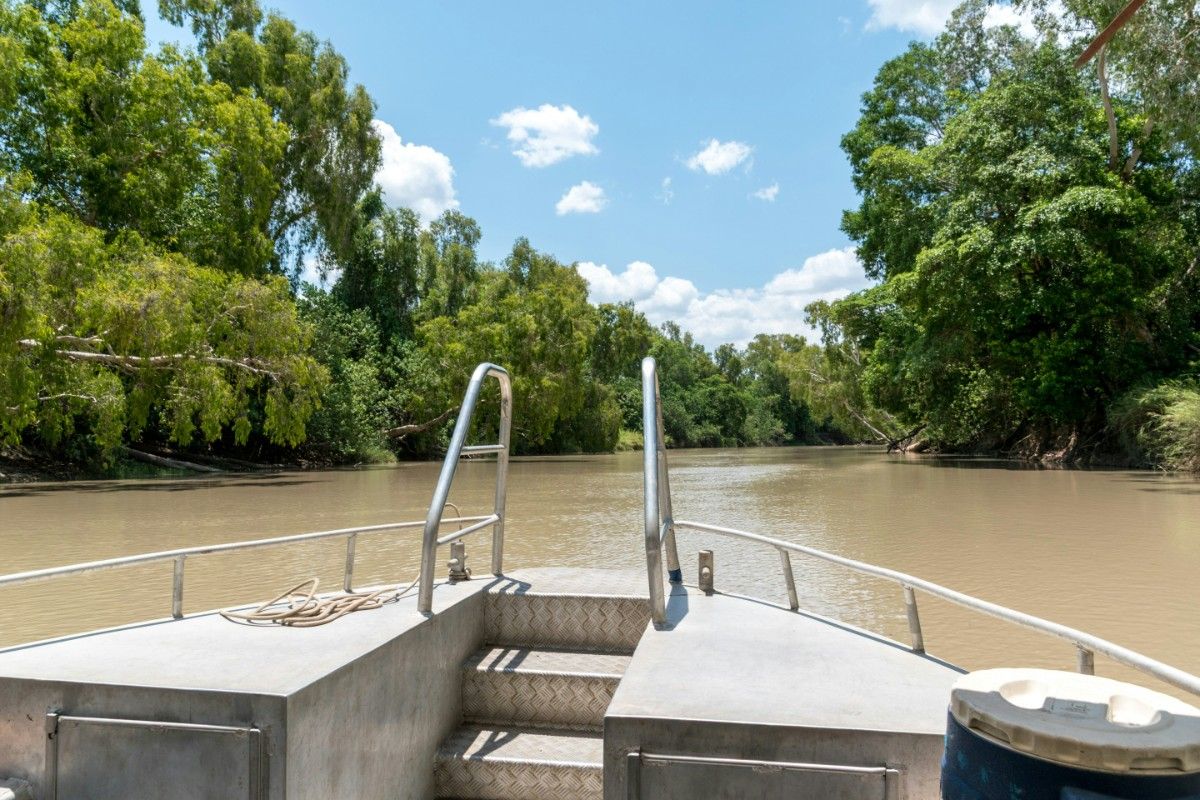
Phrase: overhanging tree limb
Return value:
(251, 365)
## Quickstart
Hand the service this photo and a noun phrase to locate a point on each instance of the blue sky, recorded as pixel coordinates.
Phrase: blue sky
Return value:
(684, 154)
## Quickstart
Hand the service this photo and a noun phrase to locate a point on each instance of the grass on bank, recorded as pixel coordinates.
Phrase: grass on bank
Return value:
(1162, 424)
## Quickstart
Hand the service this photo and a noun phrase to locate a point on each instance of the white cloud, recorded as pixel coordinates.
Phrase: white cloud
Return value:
(919, 16)
(1023, 20)
(717, 158)
(548, 134)
(666, 194)
(928, 17)
(768, 193)
(582, 198)
(637, 281)
(414, 175)
(730, 315)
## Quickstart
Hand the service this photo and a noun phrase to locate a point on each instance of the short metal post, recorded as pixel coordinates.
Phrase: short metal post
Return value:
(177, 588)
(1086, 661)
(914, 620)
(793, 600)
(458, 562)
(348, 578)
(706, 571)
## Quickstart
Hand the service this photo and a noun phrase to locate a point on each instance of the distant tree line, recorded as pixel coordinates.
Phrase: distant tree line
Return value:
(156, 209)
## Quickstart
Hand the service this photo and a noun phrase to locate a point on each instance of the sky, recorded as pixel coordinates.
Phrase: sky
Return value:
(684, 156)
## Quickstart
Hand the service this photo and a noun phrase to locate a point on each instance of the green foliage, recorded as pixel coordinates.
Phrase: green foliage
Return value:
(533, 317)
(1027, 280)
(332, 150)
(115, 337)
(1162, 423)
(380, 275)
(350, 425)
(127, 141)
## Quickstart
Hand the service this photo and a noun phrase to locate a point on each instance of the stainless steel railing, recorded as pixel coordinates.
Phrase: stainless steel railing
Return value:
(656, 489)
(431, 525)
(660, 529)
(180, 556)
(458, 448)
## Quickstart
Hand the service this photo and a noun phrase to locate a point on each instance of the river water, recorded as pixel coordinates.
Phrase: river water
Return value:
(1116, 553)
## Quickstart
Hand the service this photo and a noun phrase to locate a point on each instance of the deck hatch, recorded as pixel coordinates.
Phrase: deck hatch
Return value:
(678, 776)
(100, 758)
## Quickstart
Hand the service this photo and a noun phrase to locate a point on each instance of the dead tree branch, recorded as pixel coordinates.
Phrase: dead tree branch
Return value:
(405, 430)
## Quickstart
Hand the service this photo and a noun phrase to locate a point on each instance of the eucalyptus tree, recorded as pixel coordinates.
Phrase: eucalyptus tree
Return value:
(125, 140)
(331, 153)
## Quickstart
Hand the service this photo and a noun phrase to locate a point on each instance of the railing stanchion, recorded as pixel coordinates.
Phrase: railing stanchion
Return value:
(789, 579)
(348, 576)
(914, 620)
(177, 588)
(1085, 661)
(707, 578)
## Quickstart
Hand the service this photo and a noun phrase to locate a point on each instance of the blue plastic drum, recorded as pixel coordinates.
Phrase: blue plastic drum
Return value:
(1026, 734)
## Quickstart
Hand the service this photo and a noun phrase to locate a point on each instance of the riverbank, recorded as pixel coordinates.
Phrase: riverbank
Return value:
(27, 465)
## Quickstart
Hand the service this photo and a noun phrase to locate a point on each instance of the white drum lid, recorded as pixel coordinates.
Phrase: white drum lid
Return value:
(1080, 721)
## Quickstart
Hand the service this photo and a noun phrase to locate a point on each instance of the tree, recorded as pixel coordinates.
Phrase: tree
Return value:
(1153, 63)
(117, 337)
(1026, 282)
(381, 272)
(127, 141)
(332, 151)
(533, 317)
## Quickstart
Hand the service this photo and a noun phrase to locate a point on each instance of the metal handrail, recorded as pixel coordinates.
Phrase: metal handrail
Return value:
(457, 449)
(179, 555)
(1086, 644)
(659, 526)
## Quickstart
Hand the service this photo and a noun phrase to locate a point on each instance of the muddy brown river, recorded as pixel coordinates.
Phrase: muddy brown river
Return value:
(1116, 553)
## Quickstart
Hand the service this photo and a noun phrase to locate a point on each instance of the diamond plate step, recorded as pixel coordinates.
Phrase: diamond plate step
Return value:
(557, 688)
(516, 764)
(568, 621)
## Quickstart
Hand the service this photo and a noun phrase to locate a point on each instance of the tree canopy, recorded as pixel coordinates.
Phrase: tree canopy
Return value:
(1032, 267)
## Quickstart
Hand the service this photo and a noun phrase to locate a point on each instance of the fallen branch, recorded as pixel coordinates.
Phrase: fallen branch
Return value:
(253, 366)
(898, 444)
(169, 463)
(404, 430)
(883, 437)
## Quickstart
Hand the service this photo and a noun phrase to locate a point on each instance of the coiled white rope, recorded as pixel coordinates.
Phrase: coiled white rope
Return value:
(301, 607)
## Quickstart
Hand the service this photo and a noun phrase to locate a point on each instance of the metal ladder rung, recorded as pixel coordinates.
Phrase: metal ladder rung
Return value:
(482, 448)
